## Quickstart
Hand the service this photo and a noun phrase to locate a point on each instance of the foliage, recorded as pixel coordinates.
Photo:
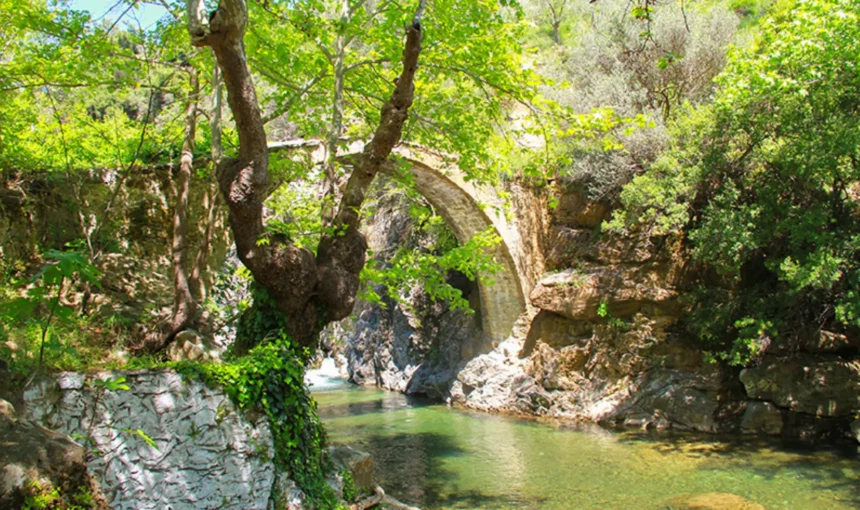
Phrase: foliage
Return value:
(350, 492)
(638, 70)
(259, 322)
(767, 195)
(409, 267)
(427, 251)
(41, 308)
(43, 496)
(271, 378)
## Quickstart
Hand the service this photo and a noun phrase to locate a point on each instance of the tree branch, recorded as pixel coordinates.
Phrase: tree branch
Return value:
(389, 131)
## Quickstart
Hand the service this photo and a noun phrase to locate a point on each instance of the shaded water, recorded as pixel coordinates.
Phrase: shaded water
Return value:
(435, 457)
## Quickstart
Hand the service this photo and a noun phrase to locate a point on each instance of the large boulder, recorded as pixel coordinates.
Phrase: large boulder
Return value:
(671, 398)
(556, 331)
(358, 463)
(569, 247)
(828, 387)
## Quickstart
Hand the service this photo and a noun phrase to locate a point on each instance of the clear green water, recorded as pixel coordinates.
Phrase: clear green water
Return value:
(436, 457)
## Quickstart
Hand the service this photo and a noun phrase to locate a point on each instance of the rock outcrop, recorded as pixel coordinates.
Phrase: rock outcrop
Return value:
(601, 347)
(413, 345)
(415, 351)
(630, 375)
(157, 440)
(818, 386)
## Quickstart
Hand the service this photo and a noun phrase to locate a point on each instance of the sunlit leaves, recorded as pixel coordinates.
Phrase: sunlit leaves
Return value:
(409, 268)
(766, 194)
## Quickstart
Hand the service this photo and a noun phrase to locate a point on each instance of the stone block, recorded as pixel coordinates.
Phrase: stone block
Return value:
(360, 464)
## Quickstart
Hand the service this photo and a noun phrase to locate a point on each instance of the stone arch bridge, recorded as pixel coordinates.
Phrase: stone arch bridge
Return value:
(468, 209)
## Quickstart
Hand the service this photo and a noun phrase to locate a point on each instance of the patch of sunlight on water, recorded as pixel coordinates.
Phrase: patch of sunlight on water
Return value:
(435, 457)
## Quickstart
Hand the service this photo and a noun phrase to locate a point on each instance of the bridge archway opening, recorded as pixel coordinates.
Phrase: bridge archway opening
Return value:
(459, 203)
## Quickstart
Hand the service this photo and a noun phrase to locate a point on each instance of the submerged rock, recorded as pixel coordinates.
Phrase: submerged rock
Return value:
(712, 501)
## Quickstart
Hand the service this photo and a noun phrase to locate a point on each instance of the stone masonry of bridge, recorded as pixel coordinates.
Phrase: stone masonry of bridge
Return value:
(468, 209)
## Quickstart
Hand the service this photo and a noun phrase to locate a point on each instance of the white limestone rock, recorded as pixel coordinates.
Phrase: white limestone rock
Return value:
(206, 454)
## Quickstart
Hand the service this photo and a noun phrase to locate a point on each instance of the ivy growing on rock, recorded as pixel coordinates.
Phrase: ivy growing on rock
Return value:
(270, 378)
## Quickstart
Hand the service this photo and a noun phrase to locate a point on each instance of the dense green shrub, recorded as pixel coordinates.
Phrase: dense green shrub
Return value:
(764, 184)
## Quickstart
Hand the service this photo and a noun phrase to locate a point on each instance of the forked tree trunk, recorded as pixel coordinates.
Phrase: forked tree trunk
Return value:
(310, 290)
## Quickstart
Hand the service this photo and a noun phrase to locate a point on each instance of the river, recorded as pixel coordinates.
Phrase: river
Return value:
(436, 457)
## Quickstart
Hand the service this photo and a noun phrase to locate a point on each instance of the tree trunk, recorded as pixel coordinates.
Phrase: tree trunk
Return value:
(311, 291)
(199, 282)
(198, 274)
(184, 305)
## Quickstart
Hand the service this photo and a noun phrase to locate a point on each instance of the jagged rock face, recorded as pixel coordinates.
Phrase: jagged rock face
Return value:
(415, 345)
(205, 452)
(600, 348)
(578, 294)
(413, 351)
(635, 377)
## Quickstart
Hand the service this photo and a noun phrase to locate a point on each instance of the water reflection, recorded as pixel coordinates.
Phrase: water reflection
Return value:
(435, 457)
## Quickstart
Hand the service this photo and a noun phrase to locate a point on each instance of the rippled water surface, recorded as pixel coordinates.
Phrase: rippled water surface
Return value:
(436, 457)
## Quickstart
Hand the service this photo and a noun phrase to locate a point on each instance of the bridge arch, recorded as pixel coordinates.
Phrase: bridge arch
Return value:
(503, 301)
(467, 209)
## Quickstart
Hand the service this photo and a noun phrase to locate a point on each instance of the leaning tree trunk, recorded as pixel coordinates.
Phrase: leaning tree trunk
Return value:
(310, 290)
